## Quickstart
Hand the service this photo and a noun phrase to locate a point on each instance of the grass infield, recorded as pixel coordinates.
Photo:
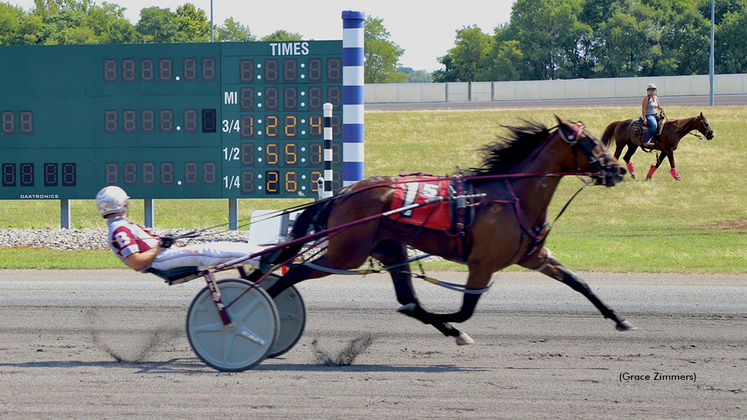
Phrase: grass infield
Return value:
(697, 225)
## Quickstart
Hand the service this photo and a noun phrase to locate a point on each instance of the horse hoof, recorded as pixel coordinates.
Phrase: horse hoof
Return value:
(407, 309)
(463, 339)
(625, 326)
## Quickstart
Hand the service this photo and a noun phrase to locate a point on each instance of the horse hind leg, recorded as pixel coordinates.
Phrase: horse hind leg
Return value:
(653, 168)
(391, 253)
(632, 148)
(469, 303)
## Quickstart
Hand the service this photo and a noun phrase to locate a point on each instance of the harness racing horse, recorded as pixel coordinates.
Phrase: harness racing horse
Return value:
(671, 134)
(517, 177)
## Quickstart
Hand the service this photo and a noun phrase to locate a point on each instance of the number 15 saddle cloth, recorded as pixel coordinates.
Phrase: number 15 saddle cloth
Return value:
(417, 190)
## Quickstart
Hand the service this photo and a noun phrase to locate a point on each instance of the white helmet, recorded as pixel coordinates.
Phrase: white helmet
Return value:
(111, 200)
(651, 86)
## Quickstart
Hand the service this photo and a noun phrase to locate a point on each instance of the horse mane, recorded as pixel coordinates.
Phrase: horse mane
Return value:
(680, 123)
(508, 151)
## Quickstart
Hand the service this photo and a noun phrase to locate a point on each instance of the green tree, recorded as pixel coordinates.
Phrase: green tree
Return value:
(466, 62)
(30, 30)
(553, 41)
(630, 44)
(594, 12)
(157, 25)
(731, 42)
(282, 36)
(67, 26)
(685, 38)
(191, 24)
(504, 61)
(10, 18)
(232, 30)
(380, 54)
(110, 25)
(416, 76)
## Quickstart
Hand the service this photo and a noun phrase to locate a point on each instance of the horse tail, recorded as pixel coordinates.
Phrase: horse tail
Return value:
(313, 217)
(609, 133)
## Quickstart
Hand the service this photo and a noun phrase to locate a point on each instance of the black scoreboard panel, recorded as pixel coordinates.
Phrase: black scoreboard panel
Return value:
(221, 120)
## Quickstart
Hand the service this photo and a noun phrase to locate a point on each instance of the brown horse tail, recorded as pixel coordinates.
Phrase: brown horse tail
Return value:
(609, 133)
(314, 217)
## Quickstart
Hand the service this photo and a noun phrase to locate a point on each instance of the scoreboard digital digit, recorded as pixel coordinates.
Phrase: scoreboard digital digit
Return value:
(218, 120)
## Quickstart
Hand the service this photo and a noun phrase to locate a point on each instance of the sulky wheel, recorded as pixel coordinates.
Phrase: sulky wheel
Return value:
(244, 344)
(292, 317)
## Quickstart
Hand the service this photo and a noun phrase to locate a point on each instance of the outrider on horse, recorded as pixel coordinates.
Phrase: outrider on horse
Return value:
(500, 213)
(630, 133)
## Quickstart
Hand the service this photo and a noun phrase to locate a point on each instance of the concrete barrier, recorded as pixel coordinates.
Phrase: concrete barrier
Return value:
(624, 87)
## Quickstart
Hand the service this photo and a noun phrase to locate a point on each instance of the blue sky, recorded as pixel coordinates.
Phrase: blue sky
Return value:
(424, 30)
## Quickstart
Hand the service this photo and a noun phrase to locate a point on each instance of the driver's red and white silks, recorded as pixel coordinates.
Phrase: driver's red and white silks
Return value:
(206, 255)
(126, 238)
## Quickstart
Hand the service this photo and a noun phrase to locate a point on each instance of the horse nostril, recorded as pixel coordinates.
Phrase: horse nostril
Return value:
(623, 171)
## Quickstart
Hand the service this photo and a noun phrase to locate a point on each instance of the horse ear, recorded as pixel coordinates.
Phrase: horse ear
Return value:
(560, 120)
(701, 114)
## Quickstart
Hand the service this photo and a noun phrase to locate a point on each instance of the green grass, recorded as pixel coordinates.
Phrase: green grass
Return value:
(656, 226)
(54, 259)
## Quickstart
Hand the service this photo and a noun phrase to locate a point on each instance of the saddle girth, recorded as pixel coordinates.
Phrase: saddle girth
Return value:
(462, 214)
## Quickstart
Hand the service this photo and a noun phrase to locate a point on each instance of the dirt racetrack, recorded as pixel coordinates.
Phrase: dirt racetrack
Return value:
(111, 344)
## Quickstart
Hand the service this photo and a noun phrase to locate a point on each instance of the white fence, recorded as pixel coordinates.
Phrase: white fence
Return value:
(723, 84)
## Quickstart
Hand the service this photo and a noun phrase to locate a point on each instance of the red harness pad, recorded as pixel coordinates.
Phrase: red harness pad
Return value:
(433, 216)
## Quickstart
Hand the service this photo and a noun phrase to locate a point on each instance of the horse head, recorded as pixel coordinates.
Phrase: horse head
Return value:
(597, 158)
(704, 128)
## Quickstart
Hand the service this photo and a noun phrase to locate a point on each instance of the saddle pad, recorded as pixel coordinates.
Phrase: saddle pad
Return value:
(417, 190)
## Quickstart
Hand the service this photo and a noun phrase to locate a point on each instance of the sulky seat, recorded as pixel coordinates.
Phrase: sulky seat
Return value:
(177, 275)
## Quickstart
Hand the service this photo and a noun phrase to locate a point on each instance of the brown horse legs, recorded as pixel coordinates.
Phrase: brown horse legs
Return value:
(392, 253)
(659, 161)
(441, 321)
(559, 272)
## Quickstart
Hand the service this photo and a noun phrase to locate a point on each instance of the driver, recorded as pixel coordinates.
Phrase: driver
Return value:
(651, 104)
(141, 250)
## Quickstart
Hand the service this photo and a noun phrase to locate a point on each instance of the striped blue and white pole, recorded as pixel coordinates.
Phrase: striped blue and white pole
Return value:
(328, 174)
(352, 96)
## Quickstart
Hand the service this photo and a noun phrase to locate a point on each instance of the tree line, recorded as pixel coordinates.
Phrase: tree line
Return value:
(544, 39)
(569, 39)
(68, 22)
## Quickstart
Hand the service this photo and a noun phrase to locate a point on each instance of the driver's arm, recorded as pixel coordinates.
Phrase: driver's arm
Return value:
(138, 261)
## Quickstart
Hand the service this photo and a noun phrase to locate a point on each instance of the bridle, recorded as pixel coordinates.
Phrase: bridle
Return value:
(582, 139)
(707, 128)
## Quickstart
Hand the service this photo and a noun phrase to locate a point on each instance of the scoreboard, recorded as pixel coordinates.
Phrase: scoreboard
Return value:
(217, 120)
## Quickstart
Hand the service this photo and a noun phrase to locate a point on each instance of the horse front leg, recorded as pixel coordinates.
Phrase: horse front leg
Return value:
(673, 169)
(391, 253)
(558, 271)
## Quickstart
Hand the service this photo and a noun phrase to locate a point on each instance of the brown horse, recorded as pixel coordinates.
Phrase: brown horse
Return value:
(517, 177)
(667, 142)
